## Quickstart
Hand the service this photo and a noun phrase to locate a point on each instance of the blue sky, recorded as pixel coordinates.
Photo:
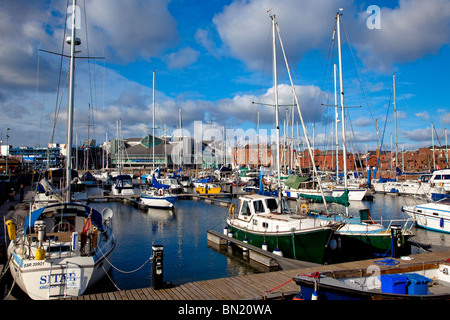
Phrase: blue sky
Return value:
(213, 59)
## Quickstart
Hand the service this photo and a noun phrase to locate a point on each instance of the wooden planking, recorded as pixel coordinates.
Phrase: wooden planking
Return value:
(256, 286)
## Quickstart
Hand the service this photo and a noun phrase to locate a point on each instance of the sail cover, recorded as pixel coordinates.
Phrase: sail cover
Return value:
(157, 185)
(293, 181)
(342, 199)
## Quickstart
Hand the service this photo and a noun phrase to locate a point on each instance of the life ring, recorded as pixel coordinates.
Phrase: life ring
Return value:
(160, 192)
(304, 208)
(231, 209)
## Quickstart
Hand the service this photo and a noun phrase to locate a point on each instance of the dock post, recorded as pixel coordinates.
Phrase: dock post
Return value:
(157, 266)
(396, 234)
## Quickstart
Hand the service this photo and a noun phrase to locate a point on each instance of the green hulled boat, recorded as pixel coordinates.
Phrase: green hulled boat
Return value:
(267, 221)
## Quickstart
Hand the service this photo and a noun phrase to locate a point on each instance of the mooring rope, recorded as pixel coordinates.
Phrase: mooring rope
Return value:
(111, 279)
(150, 258)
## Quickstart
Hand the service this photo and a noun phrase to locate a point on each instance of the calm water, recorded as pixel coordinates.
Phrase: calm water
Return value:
(187, 256)
(182, 232)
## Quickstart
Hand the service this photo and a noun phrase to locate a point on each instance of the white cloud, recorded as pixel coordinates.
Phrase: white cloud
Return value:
(182, 58)
(204, 38)
(423, 115)
(244, 27)
(131, 30)
(419, 135)
(408, 32)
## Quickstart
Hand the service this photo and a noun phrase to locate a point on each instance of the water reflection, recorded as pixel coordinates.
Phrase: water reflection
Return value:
(187, 254)
(182, 232)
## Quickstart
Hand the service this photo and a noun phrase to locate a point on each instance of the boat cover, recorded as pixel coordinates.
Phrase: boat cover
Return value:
(342, 199)
(157, 185)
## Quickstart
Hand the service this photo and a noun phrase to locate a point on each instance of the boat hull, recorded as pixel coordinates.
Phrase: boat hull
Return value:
(201, 190)
(365, 245)
(295, 193)
(310, 246)
(353, 194)
(158, 202)
(57, 278)
(431, 216)
(423, 281)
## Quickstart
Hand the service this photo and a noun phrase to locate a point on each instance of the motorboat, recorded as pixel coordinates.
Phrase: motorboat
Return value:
(417, 282)
(266, 221)
(431, 215)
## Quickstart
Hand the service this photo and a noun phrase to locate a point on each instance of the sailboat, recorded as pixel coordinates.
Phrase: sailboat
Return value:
(158, 196)
(63, 248)
(362, 235)
(266, 221)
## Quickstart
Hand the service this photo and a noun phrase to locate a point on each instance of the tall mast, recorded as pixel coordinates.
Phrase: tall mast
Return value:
(72, 42)
(344, 139)
(432, 141)
(336, 124)
(275, 89)
(153, 134)
(395, 116)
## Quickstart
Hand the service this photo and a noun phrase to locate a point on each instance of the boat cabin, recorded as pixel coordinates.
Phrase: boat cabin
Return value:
(254, 204)
(64, 218)
(441, 178)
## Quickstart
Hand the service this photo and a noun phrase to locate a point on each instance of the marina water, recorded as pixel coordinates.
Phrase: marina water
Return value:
(187, 255)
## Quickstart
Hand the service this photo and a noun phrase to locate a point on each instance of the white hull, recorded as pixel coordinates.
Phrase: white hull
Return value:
(125, 191)
(412, 188)
(157, 202)
(52, 279)
(353, 194)
(434, 215)
(63, 253)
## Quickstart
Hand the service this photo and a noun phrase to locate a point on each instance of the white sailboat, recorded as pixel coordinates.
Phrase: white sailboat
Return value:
(63, 247)
(158, 198)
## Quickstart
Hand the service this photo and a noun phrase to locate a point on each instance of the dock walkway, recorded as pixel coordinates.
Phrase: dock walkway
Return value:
(260, 286)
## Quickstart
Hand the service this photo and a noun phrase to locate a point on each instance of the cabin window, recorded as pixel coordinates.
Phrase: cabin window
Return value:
(258, 206)
(265, 225)
(245, 209)
(447, 177)
(255, 222)
(272, 204)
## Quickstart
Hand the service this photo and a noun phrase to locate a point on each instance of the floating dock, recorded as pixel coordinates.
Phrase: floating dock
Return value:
(261, 286)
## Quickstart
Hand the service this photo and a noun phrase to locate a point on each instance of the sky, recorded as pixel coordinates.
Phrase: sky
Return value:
(213, 61)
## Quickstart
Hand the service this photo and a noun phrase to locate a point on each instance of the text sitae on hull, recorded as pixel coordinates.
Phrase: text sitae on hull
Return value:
(63, 248)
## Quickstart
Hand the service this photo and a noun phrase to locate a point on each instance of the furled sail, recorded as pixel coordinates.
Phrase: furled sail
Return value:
(342, 199)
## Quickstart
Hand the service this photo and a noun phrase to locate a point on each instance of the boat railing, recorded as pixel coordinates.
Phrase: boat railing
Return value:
(406, 224)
